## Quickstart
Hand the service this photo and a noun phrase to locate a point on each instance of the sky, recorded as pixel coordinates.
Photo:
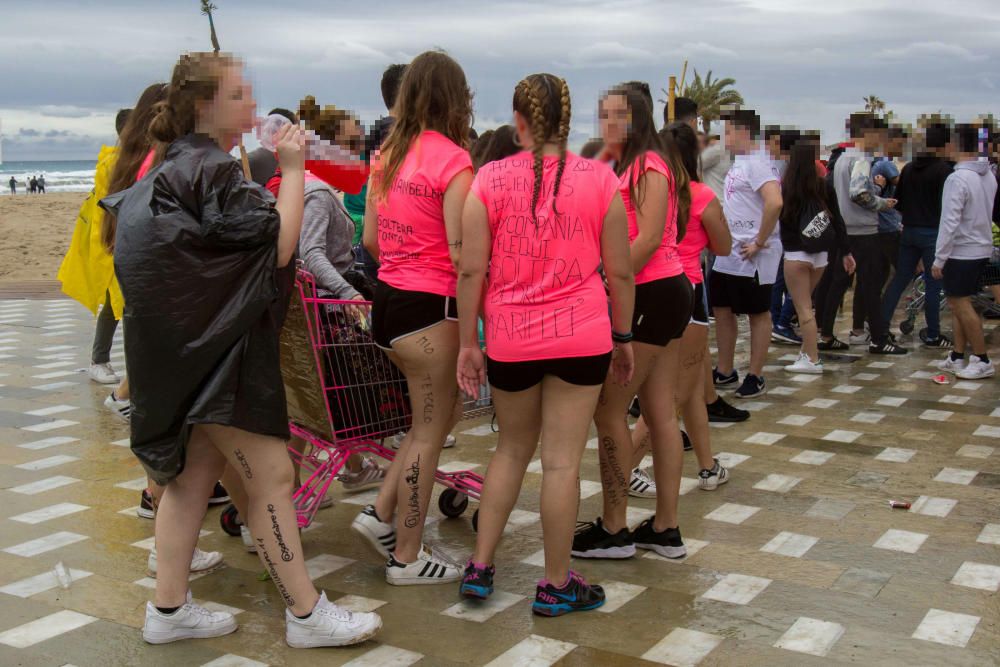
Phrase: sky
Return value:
(66, 67)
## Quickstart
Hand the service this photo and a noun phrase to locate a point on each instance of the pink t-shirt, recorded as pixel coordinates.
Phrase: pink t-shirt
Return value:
(413, 244)
(695, 237)
(664, 263)
(545, 298)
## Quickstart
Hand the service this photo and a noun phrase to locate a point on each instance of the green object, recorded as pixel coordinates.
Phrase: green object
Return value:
(264, 576)
(355, 205)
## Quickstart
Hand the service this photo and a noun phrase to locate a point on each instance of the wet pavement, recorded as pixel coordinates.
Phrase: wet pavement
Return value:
(797, 561)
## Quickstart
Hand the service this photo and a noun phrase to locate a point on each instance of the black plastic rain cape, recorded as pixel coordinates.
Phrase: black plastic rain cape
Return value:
(195, 254)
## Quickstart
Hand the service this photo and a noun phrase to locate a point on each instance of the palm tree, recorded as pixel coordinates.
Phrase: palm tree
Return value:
(711, 95)
(873, 104)
(206, 9)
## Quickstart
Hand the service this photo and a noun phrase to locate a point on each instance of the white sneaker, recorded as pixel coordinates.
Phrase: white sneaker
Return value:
(709, 480)
(951, 365)
(976, 369)
(192, 621)
(201, 561)
(641, 485)
(397, 440)
(380, 535)
(248, 542)
(120, 409)
(429, 568)
(369, 477)
(855, 339)
(103, 374)
(805, 365)
(330, 625)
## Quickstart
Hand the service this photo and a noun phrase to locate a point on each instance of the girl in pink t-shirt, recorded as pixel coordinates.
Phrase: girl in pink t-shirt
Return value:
(656, 199)
(540, 224)
(413, 228)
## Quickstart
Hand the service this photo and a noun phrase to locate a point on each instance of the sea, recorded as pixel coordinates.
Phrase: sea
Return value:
(60, 175)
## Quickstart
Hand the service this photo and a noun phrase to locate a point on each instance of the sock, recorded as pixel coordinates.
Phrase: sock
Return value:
(114, 396)
(957, 356)
(302, 618)
(985, 358)
(167, 610)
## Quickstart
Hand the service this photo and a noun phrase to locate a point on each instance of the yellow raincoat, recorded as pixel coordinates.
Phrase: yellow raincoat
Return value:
(88, 272)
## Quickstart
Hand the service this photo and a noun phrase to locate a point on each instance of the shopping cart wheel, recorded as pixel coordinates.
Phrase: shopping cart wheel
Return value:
(230, 521)
(475, 521)
(452, 503)
(906, 326)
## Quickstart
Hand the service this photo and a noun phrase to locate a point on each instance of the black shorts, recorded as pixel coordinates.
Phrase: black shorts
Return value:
(397, 313)
(520, 375)
(699, 314)
(961, 276)
(662, 310)
(741, 294)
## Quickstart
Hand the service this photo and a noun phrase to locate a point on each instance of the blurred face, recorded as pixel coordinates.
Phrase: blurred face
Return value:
(351, 138)
(615, 121)
(897, 147)
(737, 138)
(232, 111)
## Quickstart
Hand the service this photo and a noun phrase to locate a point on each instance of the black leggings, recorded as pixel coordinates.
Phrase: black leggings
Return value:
(830, 293)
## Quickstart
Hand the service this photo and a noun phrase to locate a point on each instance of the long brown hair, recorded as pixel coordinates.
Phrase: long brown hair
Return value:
(195, 79)
(433, 95)
(543, 100)
(134, 144)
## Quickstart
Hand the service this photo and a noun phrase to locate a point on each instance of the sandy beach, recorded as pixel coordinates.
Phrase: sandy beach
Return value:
(35, 233)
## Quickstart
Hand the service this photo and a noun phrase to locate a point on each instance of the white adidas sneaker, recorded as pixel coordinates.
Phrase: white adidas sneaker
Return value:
(330, 625)
(191, 621)
(201, 561)
(641, 485)
(379, 534)
(119, 408)
(103, 374)
(428, 568)
(805, 365)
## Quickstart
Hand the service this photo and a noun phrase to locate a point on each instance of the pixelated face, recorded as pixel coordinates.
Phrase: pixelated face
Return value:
(615, 120)
(737, 137)
(351, 137)
(233, 108)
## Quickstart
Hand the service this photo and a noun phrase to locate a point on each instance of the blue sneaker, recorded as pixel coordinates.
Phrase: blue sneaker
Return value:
(722, 381)
(477, 583)
(785, 335)
(752, 386)
(576, 595)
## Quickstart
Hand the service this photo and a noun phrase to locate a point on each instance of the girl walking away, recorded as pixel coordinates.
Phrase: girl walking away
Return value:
(809, 231)
(548, 336)
(654, 188)
(413, 229)
(206, 280)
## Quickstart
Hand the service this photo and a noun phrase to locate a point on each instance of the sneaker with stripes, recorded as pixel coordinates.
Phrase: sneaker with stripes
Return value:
(641, 484)
(428, 568)
(379, 534)
(119, 408)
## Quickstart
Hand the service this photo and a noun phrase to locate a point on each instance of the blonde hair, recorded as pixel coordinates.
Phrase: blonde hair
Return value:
(195, 79)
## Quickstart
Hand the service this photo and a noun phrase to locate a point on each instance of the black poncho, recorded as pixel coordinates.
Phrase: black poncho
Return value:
(195, 254)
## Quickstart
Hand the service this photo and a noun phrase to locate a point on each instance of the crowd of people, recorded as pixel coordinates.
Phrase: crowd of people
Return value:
(32, 185)
(580, 288)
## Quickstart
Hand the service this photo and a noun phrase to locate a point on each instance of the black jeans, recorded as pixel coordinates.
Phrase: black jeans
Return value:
(889, 246)
(871, 275)
(830, 293)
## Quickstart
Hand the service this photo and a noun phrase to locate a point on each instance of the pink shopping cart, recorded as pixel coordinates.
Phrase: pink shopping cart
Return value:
(345, 396)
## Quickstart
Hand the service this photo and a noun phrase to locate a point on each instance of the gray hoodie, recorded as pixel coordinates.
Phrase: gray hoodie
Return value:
(966, 230)
(856, 193)
(325, 241)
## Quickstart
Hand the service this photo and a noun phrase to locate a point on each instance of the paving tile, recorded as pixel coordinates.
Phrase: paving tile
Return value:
(990, 534)
(49, 425)
(936, 415)
(683, 648)
(838, 435)
(48, 513)
(481, 611)
(868, 417)
(896, 455)
(790, 544)
(846, 389)
(42, 629)
(830, 508)
(901, 540)
(731, 460)
(47, 462)
(40, 583)
(812, 457)
(891, 401)
(822, 403)
(777, 483)
(975, 451)
(390, 656)
(987, 431)
(618, 595)
(810, 635)
(231, 660)
(737, 589)
(868, 479)
(692, 546)
(946, 627)
(534, 650)
(732, 513)
(43, 485)
(978, 575)
(861, 581)
(954, 400)
(764, 438)
(956, 476)
(358, 603)
(931, 506)
(796, 420)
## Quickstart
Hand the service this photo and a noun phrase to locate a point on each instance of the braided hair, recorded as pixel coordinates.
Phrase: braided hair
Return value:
(543, 99)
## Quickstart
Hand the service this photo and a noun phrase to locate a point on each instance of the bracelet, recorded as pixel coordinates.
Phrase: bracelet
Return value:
(621, 337)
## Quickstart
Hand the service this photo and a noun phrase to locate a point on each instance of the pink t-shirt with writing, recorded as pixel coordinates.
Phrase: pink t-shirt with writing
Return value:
(545, 298)
(695, 237)
(413, 244)
(664, 263)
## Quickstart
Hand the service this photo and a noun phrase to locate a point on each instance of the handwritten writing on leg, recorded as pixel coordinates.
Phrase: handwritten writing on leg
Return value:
(241, 457)
(412, 480)
(426, 388)
(612, 475)
(286, 553)
(272, 570)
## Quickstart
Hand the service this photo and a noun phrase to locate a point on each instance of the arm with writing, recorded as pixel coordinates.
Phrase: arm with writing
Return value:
(621, 283)
(860, 189)
(475, 259)
(720, 240)
(652, 193)
(454, 203)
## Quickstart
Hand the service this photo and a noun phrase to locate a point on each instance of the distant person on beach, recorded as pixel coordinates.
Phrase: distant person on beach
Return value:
(33, 185)
(41, 185)
(13, 186)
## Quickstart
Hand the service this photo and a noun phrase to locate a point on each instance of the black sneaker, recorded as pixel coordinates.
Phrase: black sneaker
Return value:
(687, 441)
(722, 412)
(219, 495)
(634, 409)
(722, 381)
(834, 344)
(941, 341)
(477, 583)
(752, 386)
(668, 543)
(146, 509)
(886, 348)
(576, 595)
(592, 540)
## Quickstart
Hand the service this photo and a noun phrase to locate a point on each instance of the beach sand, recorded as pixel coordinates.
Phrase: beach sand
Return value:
(35, 232)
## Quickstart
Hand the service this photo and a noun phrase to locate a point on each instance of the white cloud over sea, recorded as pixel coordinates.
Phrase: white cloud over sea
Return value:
(67, 66)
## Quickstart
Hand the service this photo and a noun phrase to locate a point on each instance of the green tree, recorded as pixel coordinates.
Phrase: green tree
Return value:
(873, 104)
(711, 95)
(206, 9)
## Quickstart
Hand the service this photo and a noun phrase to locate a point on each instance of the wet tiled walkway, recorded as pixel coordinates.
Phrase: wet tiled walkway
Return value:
(797, 561)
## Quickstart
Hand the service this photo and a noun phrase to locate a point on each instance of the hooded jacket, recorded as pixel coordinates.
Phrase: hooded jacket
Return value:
(856, 193)
(966, 230)
(918, 193)
(326, 238)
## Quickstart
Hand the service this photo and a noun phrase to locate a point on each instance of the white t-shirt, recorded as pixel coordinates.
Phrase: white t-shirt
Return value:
(744, 209)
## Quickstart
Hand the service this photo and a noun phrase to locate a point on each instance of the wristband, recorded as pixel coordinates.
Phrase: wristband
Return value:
(621, 337)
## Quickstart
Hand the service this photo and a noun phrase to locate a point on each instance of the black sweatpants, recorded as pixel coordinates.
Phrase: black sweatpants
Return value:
(869, 278)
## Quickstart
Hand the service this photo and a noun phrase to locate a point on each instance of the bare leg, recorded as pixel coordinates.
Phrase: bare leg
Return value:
(725, 338)
(640, 442)
(760, 340)
(966, 318)
(690, 391)
(711, 396)
(801, 279)
(668, 450)
(122, 391)
(237, 493)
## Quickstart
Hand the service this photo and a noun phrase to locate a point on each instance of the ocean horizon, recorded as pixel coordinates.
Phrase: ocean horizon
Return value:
(60, 175)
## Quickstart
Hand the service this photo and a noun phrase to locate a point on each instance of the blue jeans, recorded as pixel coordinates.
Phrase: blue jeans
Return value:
(782, 308)
(915, 244)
